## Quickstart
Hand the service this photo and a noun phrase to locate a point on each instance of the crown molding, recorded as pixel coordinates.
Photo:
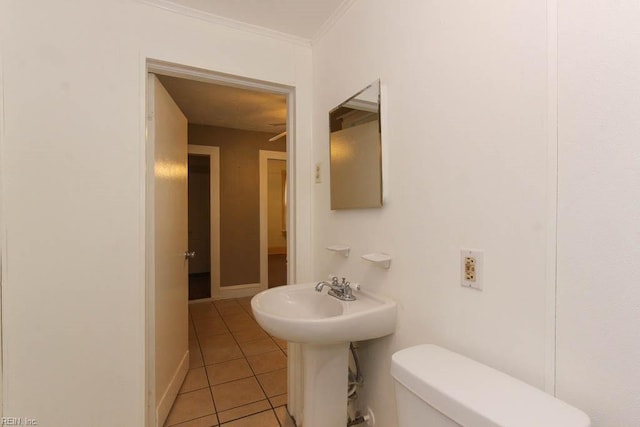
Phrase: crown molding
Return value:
(332, 20)
(227, 22)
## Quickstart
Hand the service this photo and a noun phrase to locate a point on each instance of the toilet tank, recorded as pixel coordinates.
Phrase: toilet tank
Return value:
(439, 388)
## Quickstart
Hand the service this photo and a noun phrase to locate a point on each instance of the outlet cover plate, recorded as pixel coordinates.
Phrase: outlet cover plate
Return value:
(471, 268)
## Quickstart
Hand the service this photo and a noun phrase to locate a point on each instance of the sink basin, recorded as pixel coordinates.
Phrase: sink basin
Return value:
(299, 314)
(324, 326)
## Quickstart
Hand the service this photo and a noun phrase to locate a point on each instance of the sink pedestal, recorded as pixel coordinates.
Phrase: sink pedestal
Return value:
(324, 326)
(325, 370)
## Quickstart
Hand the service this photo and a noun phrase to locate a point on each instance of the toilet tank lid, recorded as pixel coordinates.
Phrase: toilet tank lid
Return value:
(473, 394)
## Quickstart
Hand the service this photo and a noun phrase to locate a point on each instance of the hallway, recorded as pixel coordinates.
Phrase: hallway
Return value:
(238, 373)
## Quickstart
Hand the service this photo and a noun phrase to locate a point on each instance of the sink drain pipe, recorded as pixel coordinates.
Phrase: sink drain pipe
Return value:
(358, 420)
(355, 378)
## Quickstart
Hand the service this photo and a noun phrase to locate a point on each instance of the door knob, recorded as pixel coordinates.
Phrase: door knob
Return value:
(189, 254)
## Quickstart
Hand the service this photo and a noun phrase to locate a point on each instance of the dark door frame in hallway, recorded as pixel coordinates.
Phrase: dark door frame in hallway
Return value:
(213, 153)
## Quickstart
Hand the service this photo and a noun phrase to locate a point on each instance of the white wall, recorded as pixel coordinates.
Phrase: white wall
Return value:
(72, 166)
(466, 125)
(598, 352)
(465, 94)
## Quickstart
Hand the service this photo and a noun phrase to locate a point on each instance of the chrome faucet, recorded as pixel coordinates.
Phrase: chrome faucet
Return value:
(341, 290)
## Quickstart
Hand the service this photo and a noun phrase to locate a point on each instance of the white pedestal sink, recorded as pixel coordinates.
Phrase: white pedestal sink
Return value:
(324, 325)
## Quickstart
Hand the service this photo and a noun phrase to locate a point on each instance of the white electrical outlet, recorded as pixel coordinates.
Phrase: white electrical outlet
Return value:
(317, 174)
(471, 269)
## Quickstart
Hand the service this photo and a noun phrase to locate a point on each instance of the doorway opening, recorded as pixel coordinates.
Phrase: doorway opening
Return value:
(241, 124)
(222, 279)
(204, 220)
(199, 211)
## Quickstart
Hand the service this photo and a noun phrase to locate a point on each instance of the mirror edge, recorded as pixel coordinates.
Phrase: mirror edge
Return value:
(383, 147)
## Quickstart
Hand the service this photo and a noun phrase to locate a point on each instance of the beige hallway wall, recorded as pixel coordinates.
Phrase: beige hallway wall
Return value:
(239, 198)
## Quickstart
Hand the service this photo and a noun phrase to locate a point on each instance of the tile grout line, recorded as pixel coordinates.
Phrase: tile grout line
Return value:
(204, 366)
(252, 371)
(190, 317)
(247, 360)
(286, 356)
(250, 367)
(199, 336)
(272, 409)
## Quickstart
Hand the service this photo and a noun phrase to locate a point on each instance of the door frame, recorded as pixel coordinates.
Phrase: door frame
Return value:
(264, 157)
(214, 212)
(3, 240)
(192, 73)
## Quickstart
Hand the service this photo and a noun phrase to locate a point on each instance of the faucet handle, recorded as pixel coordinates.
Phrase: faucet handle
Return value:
(355, 286)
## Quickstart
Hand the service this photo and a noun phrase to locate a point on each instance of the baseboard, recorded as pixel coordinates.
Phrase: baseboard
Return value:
(199, 300)
(277, 250)
(236, 291)
(169, 396)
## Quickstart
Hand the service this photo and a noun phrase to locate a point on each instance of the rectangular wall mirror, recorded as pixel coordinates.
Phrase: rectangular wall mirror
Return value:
(356, 152)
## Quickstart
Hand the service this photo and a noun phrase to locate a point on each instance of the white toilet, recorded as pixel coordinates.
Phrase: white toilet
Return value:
(438, 388)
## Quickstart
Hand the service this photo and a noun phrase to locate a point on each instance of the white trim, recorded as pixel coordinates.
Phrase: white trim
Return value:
(265, 156)
(552, 198)
(292, 188)
(214, 210)
(237, 291)
(170, 394)
(227, 22)
(199, 300)
(3, 238)
(337, 14)
(201, 75)
(148, 243)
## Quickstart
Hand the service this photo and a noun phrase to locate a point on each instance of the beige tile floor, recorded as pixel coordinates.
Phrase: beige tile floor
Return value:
(238, 373)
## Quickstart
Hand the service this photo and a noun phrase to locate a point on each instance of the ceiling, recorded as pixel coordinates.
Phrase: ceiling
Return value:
(224, 106)
(215, 105)
(301, 18)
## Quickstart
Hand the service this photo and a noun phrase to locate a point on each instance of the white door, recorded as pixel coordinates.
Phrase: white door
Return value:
(169, 127)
